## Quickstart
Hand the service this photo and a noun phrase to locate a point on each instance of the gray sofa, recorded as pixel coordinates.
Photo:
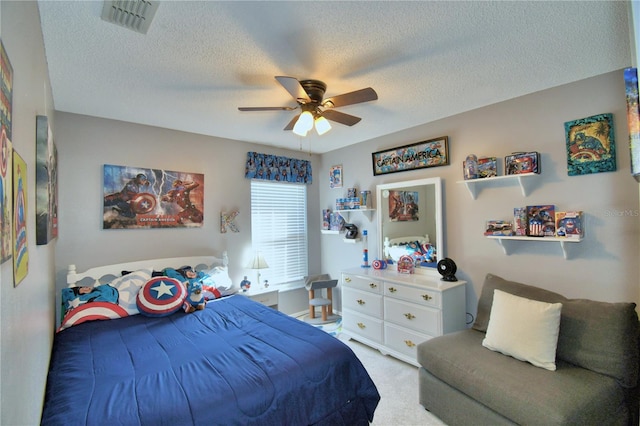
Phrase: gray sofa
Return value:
(595, 383)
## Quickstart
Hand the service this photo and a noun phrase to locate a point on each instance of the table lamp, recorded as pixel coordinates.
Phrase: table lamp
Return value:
(258, 263)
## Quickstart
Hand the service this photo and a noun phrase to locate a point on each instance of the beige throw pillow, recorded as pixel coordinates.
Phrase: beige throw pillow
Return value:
(524, 329)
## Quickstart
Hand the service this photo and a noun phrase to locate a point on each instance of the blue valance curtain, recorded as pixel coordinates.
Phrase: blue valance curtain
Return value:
(277, 168)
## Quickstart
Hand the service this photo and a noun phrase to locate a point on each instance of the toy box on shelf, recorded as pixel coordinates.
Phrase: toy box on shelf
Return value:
(487, 167)
(336, 222)
(570, 224)
(499, 228)
(520, 221)
(326, 219)
(522, 162)
(541, 221)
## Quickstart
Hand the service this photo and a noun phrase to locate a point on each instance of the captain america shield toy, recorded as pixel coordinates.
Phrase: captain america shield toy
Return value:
(161, 296)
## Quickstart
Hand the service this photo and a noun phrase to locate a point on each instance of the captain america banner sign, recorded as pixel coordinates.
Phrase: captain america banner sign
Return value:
(136, 197)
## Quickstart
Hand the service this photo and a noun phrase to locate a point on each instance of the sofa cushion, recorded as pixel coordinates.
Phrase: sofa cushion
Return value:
(493, 282)
(596, 335)
(602, 337)
(524, 329)
(516, 389)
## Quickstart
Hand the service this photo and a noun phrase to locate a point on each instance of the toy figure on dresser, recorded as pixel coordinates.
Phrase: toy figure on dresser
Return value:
(245, 284)
(541, 221)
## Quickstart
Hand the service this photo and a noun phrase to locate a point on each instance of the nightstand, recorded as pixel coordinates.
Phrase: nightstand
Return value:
(266, 296)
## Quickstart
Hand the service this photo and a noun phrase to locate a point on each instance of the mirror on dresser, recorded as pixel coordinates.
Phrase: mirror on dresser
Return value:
(409, 217)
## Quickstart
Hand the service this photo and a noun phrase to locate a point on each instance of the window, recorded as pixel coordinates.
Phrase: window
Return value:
(279, 229)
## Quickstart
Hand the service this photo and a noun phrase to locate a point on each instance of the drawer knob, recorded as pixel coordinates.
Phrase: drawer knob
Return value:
(409, 316)
(409, 343)
(426, 297)
(347, 279)
(360, 302)
(373, 285)
(392, 289)
(361, 325)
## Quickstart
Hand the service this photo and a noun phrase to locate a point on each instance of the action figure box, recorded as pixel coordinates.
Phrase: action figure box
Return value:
(570, 225)
(487, 167)
(326, 219)
(520, 221)
(501, 228)
(541, 221)
(336, 222)
(522, 162)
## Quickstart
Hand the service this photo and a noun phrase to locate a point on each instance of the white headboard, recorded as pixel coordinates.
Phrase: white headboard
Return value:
(100, 274)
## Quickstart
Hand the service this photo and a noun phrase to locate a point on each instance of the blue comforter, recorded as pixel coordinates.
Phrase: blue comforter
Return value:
(235, 362)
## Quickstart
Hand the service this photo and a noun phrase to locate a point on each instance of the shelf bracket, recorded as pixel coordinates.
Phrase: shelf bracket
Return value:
(522, 187)
(564, 249)
(501, 243)
(472, 189)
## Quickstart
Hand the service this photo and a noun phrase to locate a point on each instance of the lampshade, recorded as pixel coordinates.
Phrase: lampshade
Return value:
(322, 125)
(257, 262)
(303, 124)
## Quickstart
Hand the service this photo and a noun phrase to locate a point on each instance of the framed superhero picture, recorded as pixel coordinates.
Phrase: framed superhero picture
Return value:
(590, 145)
(335, 176)
(135, 197)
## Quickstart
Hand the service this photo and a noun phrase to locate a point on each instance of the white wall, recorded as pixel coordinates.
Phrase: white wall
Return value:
(27, 311)
(602, 267)
(86, 143)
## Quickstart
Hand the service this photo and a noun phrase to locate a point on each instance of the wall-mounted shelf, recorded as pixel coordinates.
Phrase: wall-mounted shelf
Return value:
(471, 183)
(326, 231)
(347, 213)
(563, 241)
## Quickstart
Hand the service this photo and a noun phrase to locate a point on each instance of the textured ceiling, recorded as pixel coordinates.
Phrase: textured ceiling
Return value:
(201, 60)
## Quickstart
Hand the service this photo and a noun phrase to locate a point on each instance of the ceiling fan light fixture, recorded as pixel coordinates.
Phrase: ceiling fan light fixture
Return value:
(322, 125)
(304, 124)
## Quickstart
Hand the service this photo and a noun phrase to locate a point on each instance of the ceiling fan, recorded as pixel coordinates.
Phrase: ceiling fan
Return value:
(314, 109)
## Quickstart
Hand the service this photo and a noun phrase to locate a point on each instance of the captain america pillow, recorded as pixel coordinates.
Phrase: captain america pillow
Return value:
(73, 297)
(161, 296)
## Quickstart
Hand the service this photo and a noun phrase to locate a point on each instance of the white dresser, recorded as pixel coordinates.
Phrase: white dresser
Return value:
(394, 312)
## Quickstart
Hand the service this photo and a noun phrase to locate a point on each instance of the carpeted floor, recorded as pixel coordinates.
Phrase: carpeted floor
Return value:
(397, 383)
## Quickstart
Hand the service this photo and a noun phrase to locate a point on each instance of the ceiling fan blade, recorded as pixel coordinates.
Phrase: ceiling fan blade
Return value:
(340, 117)
(295, 89)
(266, 108)
(292, 123)
(359, 96)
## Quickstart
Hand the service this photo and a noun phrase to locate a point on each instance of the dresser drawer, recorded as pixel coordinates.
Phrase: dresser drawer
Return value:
(423, 296)
(362, 325)
(361, 283)
(362, 301)
(403, 340)
(416, 317)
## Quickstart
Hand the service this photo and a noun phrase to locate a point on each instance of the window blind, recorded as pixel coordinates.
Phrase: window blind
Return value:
(279, 229)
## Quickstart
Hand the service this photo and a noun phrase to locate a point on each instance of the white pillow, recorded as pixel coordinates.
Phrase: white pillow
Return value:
(128, 287)
(218, 277)
(524, 329)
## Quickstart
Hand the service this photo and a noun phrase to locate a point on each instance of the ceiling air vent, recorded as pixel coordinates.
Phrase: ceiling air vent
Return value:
(133, 14)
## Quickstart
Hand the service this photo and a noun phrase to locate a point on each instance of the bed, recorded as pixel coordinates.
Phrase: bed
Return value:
(235, 362)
